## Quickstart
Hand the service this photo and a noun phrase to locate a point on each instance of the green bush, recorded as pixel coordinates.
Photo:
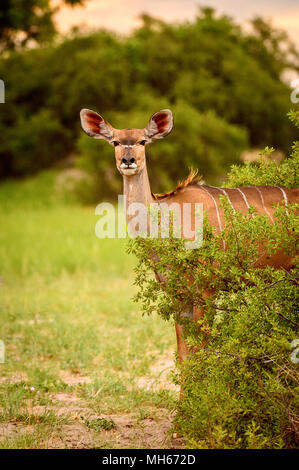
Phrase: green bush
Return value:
(241, 388)
(267, 171)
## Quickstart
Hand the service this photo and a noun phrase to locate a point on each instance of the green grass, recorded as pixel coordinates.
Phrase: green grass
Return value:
(66, 308)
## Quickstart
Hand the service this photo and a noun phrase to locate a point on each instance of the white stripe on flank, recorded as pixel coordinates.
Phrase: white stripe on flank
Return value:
(263, 202)
(243, 196)
(225, 193)
(215, 203)
(284, 196)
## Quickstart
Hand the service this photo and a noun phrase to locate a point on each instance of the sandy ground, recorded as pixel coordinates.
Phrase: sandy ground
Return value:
(129, 432)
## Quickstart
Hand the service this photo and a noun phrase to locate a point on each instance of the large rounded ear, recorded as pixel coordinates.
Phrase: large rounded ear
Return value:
(160, 124)
(95, 125)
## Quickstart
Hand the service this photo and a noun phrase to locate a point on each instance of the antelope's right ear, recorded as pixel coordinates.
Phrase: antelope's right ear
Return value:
(95, 125)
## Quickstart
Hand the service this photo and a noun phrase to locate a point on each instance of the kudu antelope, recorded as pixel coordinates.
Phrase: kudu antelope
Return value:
(131, 162)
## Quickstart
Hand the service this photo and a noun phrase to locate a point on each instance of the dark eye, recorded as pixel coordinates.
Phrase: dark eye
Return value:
(142, 142)
(115, 143)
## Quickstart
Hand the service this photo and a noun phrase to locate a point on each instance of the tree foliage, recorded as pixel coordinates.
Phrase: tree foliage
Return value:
(224, 86)
(22, 21)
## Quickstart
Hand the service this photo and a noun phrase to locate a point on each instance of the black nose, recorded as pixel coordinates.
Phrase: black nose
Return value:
(128, 160)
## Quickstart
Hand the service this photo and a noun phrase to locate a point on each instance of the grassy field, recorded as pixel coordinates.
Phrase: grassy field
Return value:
(82, 367)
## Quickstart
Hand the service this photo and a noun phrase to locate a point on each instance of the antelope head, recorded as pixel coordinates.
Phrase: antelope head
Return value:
(129, 143)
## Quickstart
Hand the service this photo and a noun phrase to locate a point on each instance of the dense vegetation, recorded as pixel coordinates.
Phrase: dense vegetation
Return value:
(224, 86)
(240, 385)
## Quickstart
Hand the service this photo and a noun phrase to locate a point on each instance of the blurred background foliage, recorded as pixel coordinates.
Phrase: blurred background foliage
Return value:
(224, 86)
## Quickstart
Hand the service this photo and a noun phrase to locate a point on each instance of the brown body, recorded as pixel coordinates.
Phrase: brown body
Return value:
(131, 162)
(263, 198)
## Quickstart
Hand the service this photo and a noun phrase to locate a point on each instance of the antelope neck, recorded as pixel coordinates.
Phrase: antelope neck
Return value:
(137, 188)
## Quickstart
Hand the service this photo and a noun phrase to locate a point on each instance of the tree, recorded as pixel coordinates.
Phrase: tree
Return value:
(22, 21)
(223, 84)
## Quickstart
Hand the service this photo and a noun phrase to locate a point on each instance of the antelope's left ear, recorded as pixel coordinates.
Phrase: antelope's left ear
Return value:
(160, 124)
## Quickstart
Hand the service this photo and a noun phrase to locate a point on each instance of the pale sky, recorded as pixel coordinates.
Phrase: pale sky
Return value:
(121, 15)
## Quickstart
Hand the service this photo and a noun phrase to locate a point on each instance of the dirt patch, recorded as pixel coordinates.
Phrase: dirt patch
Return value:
(72, 410)
(160, 375)
(16, 377)
(71, 436)
(148, 433)
(68, 179)
(64, 397)
(128, 433)
(12, 430)
(74, 379)
(253, 155)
